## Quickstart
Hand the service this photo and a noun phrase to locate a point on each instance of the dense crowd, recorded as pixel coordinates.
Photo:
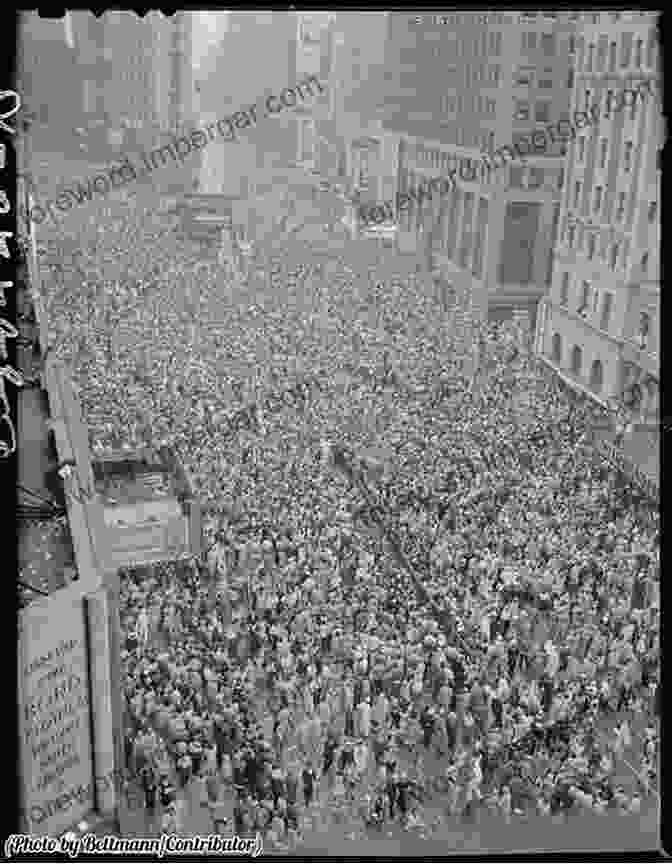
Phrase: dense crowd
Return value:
(420, 580)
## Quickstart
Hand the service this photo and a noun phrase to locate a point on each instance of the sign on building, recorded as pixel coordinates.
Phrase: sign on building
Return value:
(56, 748)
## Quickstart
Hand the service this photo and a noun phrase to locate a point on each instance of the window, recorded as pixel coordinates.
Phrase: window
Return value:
(529, 41)
(557, 349)
(587, 96)
(627, 157)
(516, 177)
(546, 81)
(571, 234)
(582, 149)
(570, 79)
(596, 376)
(607, 103)
(638, 53)
(592, 245)
(535, 178)
(645, 263)
(585, 298)
(620, 210)
(604, 149)
(626, 50)
(612, 56)
(548, 44)
(597, 204)
(572, 44)
(653, 211)
(564, 290)
(644, 330)
(591, 58)
(577, 193)
(524, 77)
(577, 360)
(613, 256)
(522, 110)
(650, 47)
(542, 112)
(607, 299)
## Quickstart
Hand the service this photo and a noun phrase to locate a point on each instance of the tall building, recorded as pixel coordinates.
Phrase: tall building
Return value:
(349, 124)
(229, 82)
(310, 52)
(600, 323)
(181, 113)
(47, 71)
(461, 86)
(136, 72)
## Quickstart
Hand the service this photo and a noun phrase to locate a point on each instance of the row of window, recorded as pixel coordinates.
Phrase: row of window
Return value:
(599, 200)
(530, 76)
(471, 138)
(472, 103)
(465, 75)
(442, 164)
(521, 177)
(488, 44)
(606, 53)
(588, 306)
(589, 301)
(457, 19)
(546, 42)
(588, 103)
(542, 110)
(553, 16)
(576, 364)
(613, 250)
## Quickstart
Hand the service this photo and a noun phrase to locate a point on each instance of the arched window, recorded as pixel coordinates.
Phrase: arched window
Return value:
(651, 398)
(557, 349)
(596, 375)
(577, 360)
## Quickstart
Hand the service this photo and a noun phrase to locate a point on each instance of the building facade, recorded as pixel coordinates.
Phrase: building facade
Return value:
(135, 72)
(462, 88)
(601, 318)
(311, 56)
(47, 72)
(234, 169)
(352, 145)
